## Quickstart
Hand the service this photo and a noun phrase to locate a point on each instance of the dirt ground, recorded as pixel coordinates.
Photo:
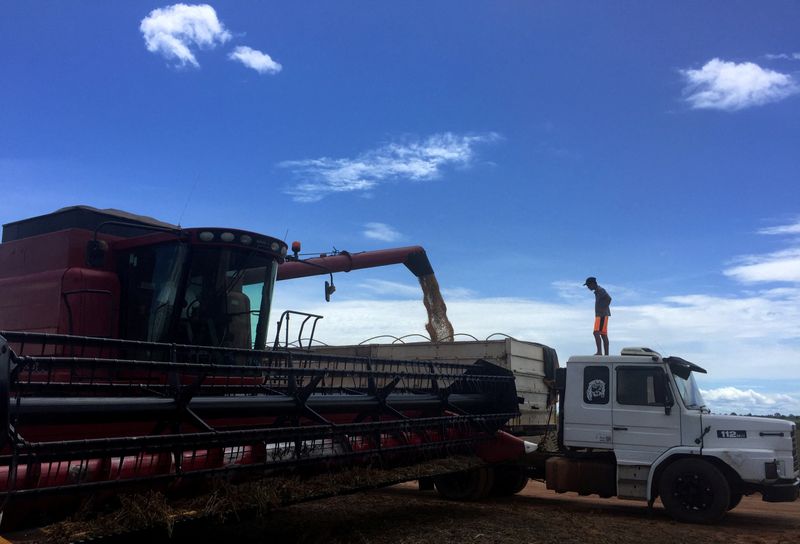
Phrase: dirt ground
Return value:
(404, 515)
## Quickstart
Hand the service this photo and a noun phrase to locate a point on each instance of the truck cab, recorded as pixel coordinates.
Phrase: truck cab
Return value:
(645, 414)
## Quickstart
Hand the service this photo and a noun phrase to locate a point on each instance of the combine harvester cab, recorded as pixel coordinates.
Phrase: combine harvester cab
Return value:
(134, 362)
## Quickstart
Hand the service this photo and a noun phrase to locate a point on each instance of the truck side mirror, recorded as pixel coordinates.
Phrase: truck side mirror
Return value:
(96, 253)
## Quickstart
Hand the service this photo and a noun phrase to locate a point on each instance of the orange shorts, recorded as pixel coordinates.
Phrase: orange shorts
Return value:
(601, 324)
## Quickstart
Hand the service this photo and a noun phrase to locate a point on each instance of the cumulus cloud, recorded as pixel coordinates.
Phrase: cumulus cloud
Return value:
(258, 61)
(382, 232)
(732, 399)
(410, 160)
(732, 86)
(174, 31)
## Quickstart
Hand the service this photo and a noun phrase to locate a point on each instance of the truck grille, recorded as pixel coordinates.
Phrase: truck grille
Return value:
(794, 450)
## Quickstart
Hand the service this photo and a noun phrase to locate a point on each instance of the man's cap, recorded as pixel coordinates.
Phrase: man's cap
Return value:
(590, 279)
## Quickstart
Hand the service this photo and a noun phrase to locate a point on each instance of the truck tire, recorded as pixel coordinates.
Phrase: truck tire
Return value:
(471, 485)
(694, 491)
(508, 480)
(736, 498)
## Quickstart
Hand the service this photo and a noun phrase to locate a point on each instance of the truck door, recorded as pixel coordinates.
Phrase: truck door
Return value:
(642, 428)
(587, 410)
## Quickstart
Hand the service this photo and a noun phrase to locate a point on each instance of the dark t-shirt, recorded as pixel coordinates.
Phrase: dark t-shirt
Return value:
(602, 301)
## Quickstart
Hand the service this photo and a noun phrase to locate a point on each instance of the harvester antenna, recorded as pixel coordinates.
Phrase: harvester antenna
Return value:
(188, 198)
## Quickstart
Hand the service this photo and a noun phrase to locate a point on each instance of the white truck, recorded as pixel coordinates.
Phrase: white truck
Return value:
(635, 426)
(632, 426)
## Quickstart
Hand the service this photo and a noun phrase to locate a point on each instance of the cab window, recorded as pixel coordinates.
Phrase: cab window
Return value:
(641, 386)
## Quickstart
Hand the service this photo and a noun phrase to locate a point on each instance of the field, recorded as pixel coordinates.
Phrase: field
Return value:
(403, 515)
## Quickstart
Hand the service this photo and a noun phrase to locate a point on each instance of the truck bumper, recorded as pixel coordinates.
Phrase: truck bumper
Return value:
(780, 491)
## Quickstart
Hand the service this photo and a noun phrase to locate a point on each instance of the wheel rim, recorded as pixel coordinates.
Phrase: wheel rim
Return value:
(693, 491)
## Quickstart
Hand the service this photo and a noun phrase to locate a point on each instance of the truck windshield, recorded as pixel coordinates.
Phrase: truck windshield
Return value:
(208, 296)
(690, 393)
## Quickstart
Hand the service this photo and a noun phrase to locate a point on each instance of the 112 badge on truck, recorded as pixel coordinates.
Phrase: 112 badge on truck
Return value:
(731, 434)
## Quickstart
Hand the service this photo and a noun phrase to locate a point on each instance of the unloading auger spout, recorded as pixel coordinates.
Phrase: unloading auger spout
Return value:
(413, 257)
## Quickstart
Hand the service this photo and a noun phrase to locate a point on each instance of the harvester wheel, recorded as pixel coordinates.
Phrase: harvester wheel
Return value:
(471, 485)
(509, 480)
(694, 491)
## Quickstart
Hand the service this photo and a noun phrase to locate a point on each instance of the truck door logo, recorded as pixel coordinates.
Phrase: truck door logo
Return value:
(596, 384)
(596, 390)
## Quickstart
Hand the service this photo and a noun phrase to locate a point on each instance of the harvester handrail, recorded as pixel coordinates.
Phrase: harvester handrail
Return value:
(245, 369)
(83, 342)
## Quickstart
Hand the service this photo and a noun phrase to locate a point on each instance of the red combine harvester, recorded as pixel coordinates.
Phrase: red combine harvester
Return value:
(134, 356)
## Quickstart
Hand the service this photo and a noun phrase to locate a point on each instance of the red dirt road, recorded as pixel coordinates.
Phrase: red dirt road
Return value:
(404, 515)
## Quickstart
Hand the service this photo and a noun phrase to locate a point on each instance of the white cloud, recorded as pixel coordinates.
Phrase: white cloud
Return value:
(783, 56)
(793, 228)
(780, 266)
(732, 399)
(382, 232)
(390, 288)
(258, 61)
(569, 290)
(574, 290)
(412, 160)
(406, 291)
(173, 31)
(458, 293)
(734, 86)
(783, 266)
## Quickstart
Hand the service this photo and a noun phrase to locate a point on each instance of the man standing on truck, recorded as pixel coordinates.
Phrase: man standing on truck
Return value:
(602, 311)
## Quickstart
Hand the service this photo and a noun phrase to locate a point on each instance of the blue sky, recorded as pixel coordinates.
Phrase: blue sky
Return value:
(525, 145)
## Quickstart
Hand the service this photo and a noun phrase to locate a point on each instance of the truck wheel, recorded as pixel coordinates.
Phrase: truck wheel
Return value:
(508, 481)
(736, 498)
(694, 491)
(472, 485)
